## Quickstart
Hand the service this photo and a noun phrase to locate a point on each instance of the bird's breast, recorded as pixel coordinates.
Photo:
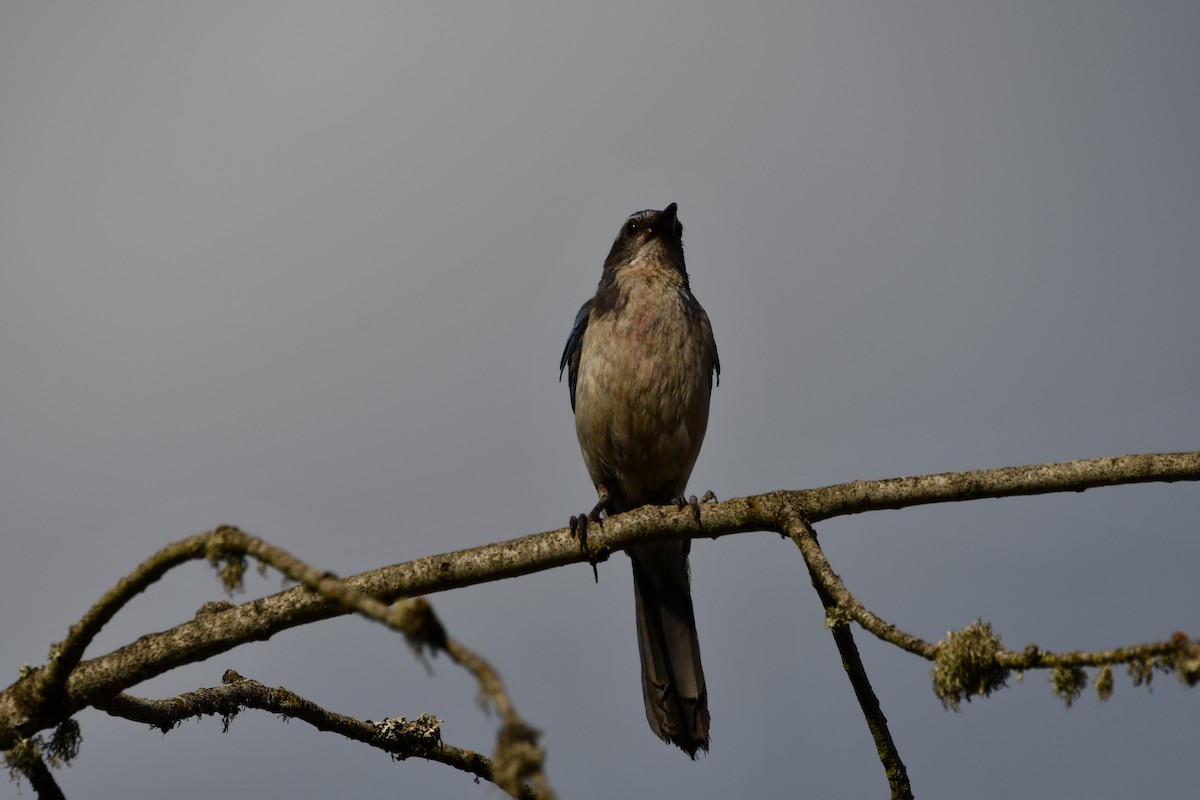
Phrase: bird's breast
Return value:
(643, 389)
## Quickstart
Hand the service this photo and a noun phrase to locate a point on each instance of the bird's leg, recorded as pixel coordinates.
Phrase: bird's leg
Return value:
(579, 527)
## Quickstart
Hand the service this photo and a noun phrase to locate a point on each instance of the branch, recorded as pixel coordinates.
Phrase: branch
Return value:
(32, 758)
(805, 538)
(518, 756)
(402, 739)
(25, 709)
(971, 662)
(25, 760)
(952, 487)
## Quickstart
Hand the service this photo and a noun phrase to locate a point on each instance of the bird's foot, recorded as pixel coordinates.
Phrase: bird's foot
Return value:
(579, 526)
(689, 502)
(694, 504)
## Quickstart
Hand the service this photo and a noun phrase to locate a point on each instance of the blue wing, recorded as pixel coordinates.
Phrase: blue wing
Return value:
(570, 356)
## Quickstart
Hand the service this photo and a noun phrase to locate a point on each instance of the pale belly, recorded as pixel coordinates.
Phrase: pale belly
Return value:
(642, 399)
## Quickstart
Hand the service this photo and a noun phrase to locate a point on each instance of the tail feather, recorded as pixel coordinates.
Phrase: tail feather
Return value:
(672, 676)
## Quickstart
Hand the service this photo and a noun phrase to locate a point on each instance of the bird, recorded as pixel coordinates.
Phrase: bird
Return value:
(641, 361)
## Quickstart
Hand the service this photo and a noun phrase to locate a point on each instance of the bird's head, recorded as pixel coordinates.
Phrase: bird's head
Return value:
(649, 235)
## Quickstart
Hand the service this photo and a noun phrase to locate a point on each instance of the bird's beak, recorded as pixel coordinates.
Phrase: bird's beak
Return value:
(664, 226)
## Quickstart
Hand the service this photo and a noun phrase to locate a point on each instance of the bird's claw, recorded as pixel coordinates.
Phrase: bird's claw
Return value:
(689, 502)
(579, 526)
(694, 504)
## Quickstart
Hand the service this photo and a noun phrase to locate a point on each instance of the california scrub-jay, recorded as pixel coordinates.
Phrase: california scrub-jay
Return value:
(641, 360)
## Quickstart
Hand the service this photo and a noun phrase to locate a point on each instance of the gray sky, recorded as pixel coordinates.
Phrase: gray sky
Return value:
(309, 268)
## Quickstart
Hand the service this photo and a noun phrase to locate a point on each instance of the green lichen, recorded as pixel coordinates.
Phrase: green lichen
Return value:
(967, 665)
(837, 617)
(23, 757)
(1068, 683)
(1104, 682)
(1186, 660)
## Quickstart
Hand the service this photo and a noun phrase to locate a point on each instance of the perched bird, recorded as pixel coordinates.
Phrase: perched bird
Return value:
(641, 361)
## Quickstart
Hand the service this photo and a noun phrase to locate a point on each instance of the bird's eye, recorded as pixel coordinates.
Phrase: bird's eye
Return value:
(630, 227)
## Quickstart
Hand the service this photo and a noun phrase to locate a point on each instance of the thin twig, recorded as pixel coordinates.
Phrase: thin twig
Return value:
(885, 746)
(420, 738)
(518, 757)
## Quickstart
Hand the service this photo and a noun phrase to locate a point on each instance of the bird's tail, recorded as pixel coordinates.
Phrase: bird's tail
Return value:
(672, 677)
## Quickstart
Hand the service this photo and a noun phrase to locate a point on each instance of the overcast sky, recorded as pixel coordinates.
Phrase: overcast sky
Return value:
(308, 269)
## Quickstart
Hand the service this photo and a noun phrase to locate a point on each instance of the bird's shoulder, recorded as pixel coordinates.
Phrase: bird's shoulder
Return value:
(571, 353)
